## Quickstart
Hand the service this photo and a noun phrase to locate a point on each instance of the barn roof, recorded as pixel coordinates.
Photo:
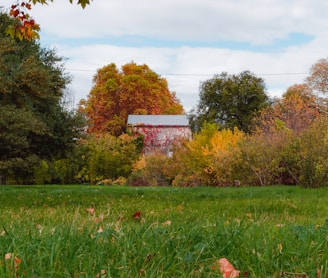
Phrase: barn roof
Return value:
(158, 120)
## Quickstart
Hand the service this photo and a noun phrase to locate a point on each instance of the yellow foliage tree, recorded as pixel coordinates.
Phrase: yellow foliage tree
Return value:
(210, 158)
(222, 156)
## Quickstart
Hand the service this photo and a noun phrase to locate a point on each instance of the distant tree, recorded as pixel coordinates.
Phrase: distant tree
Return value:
(33, 125)
(136, 89)
(296, 110)
(25, 27)
(109, 157)
(318, 79)
(208, 159)
(273, 151)
(313, 154)
(230, 101)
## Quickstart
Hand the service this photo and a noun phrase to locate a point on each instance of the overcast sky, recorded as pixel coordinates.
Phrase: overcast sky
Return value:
(188, 41)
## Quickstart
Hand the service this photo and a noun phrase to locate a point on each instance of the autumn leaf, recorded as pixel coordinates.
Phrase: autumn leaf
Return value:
(8, 256)
(101, 274)
(136, 215)
(91, 210)
(17, 261)
(167, 223)
(25, 27)
(279, 247)
(226, 268)
(100, 230)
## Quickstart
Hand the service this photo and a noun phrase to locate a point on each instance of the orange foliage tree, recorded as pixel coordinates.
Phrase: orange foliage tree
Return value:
(135, 89)
(296, 110)
(25, 27)
(272, 150)
(318, 79)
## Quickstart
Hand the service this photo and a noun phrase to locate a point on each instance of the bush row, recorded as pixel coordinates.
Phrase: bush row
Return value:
(214, 157)
(231, 158)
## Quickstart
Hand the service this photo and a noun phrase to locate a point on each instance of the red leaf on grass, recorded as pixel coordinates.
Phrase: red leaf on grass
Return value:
(226, 268)
(91, 210)
(137, 215)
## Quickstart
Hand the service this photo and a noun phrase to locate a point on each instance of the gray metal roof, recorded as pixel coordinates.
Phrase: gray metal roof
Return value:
(158, 120)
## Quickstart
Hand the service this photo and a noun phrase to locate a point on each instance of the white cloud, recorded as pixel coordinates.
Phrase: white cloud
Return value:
(185, 67)
(251, 21)
(239, 34)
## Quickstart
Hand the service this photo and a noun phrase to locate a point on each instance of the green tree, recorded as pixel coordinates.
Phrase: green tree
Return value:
(230, 101)
(109, 157)
(34, 125)
(136, 89)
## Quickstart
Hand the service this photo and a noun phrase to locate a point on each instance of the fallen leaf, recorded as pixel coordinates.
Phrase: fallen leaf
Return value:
(137, 215)
(167, 223)
(91, 210)
(101, 274)
(17, 261)
(100, 230)
(279, 247)
(226, 268)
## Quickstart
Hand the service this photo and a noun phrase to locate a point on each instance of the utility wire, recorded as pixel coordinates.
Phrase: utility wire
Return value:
(208, 74)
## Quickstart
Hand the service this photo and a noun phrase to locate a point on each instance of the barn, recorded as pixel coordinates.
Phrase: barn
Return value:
(160, 131)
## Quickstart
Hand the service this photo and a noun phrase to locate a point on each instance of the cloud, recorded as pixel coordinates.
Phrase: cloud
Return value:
(255, 22)
(186, 67)
(188, 41)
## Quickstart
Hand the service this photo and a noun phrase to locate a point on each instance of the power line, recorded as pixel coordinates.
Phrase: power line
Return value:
(208, 74)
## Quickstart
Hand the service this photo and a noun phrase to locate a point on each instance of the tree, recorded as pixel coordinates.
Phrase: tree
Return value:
(109, 157)
(136, 89)
(229, 100)
(313, 154)
(209, 159)
(296, 110)
(33, 125)
(272, 152)
(318, 79)
(25, 27)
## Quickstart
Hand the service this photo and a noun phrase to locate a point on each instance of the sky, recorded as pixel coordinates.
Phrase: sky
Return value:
(187, 41)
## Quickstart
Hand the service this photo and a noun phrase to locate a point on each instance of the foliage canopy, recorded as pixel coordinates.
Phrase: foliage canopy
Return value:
(318, 79)
(230, 101)
(135, 89)
(34, 125)
(25, 27)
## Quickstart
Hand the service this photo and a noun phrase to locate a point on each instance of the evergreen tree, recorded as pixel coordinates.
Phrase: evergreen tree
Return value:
(33, 126)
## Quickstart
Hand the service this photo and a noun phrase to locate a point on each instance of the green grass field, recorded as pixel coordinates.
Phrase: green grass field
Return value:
(83, 231)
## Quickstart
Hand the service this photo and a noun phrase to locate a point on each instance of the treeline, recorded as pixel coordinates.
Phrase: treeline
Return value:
(241, 137)
(272, 154)
(232, 158)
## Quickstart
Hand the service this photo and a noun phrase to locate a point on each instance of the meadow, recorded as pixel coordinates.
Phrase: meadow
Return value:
(118, 231)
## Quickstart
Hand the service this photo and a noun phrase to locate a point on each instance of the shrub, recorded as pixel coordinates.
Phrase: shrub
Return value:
(150, 170)
(209, 159)
(110, 157)
(105, 182)
(314, 154)
(120, 181)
